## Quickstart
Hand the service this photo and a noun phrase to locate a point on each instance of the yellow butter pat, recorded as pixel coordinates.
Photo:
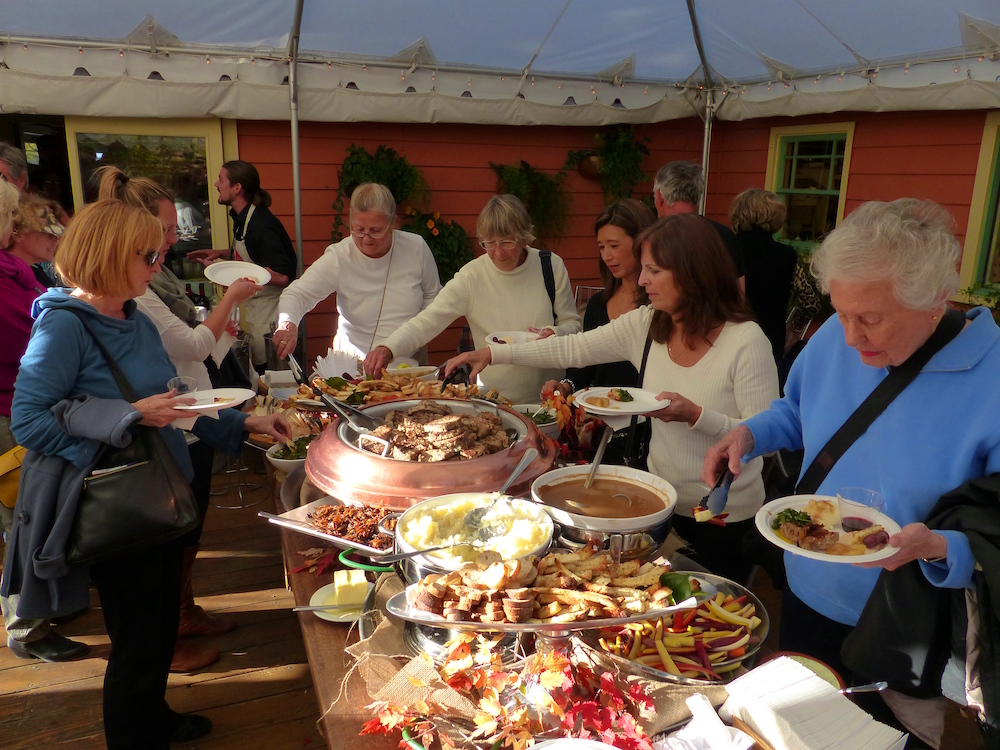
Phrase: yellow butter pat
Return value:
(350, 587)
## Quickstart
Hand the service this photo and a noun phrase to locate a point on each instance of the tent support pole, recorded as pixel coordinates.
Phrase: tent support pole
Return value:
(293, 103)
(706, 146)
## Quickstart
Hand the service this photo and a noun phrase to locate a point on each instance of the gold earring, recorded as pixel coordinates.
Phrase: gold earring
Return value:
(934, 317)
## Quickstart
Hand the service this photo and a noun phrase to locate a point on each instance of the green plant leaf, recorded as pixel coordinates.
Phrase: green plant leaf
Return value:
(542, 194)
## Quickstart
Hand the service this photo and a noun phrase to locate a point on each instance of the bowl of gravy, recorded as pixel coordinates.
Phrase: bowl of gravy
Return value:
(621, 499)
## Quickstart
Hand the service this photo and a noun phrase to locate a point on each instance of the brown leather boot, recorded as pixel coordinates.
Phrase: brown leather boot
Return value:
(188, 658)
(194, 620)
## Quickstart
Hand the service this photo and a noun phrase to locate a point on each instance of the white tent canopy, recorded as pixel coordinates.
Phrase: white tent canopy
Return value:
(566, 62)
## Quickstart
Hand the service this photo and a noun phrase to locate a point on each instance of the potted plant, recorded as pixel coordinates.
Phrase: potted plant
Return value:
(542, 194)
(617, 162)
(385, 167)
(447, 240)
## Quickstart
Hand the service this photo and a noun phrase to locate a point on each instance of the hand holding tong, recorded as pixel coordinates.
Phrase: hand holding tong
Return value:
(355, 417)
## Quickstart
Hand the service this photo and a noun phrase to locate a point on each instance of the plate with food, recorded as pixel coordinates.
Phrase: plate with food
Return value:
(346, 596)
(345, 526)
(510, 337)
(610, 402)
(225, 272)
(561, 591)
(423, 372)
(707, 643)
(543, 416)
(217, 398)
(811, 526)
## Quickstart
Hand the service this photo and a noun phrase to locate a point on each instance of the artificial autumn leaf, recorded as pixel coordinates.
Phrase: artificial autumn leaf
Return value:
(591, 715)
(416, 682)
(491, 706)
(639, 696)
(421, 707)
(610, 693)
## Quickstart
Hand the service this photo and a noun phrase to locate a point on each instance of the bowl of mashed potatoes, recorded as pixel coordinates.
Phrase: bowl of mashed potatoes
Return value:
(526, 529)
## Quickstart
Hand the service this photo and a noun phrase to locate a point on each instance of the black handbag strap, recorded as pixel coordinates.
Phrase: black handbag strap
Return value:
(123, 385)
(878, 401)
(633, 427)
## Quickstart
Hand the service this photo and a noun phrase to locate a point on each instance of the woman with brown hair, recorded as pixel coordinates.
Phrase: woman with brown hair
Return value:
(707, 360)
(189, 345)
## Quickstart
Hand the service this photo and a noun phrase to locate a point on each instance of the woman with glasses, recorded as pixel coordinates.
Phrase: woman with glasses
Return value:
(503, 290)
(66, 404)
(382, 278)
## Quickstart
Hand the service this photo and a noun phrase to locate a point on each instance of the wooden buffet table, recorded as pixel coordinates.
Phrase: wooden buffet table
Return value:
(325, 643)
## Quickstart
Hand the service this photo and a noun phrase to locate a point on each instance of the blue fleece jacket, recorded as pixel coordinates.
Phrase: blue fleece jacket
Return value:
(939, 433)
(63, 361)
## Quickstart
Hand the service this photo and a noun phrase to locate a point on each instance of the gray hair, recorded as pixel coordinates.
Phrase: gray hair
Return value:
(370, 196)
(505, 216)
(13, 157)
(680, 181)
(909, 242)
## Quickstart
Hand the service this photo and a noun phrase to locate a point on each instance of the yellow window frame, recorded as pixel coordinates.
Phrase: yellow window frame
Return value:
(977, 231)
(774, 153)
(220, 146)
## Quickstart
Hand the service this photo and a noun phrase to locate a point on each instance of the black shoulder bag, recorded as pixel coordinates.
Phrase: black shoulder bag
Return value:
(545, 256)
(136, 497)
(637, 444)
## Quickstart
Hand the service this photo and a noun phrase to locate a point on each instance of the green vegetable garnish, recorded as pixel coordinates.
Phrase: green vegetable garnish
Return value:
(542, 417)
(623, 395)
(336, 383)
(355, 398)
(297, 449)
(790, 515)
(679, 584)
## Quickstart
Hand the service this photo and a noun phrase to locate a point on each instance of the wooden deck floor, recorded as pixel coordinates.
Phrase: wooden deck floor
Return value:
(258, 695)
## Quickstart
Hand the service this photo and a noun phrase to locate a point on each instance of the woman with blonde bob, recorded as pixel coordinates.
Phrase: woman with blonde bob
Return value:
(504, 290)
(890, 269)
(769, 266)
(67, 406)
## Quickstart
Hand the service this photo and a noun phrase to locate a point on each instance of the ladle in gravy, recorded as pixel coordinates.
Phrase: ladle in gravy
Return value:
(607, 497)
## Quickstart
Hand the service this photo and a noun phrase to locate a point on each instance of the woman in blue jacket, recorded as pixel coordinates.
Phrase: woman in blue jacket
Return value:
(889, 269)
(110, 253)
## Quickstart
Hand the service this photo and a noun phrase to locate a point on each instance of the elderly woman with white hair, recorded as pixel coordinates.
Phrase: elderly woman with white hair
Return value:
(381, 275)
(889, 269)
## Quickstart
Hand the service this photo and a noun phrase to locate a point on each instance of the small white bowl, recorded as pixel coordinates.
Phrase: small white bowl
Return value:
(550, 429)
(282, 464)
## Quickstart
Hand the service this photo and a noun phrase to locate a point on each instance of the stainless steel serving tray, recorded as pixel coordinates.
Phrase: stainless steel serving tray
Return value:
(397, 606)
(297, 519)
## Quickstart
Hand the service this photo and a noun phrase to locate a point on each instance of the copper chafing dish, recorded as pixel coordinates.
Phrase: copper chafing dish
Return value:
(340, 467)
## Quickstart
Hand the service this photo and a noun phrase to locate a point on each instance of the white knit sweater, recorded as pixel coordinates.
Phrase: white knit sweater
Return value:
(407, 275)
(733, 381)
(492, 301)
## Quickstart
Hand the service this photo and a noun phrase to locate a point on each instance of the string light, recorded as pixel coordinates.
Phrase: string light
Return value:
(502, 78)
(956, 68)
(121, 53)
(329, 66)
(532, 80)
(786, 85)
(364, 68)
(80, 50)
(253, 60)
(26, 48)
(470, 80)
(768, 85)
(208, 60)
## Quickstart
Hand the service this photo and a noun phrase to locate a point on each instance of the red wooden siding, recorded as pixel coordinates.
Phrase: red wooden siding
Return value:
(924, 154)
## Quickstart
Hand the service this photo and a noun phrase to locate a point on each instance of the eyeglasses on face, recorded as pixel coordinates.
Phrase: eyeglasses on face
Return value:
(502, 244)
(151, 257)
(374, 235)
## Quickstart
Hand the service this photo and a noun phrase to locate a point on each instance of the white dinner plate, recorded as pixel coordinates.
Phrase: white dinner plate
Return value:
(319, 597)
(218, 398)
(510, 337)
(798, 502)
(420, 371)
(225, 272)
(642, 402)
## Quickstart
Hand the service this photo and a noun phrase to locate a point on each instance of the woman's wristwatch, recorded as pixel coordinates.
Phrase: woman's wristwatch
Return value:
(570, 383)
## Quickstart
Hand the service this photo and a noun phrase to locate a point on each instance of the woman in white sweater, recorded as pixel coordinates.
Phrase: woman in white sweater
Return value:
(382, 277)
(504, 290)
(707, 358)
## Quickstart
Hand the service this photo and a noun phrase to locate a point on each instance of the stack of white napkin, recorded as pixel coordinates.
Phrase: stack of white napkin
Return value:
(794, 709)
(336, 362)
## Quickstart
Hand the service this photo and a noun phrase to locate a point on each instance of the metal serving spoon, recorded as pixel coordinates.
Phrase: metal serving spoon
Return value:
(474, 518)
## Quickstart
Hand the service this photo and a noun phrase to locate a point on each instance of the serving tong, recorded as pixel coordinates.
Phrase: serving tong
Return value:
(353, 416)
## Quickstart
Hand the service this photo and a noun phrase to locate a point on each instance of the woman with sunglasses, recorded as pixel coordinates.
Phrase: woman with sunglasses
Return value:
(67, 403)
(381, 275)
(503, 290)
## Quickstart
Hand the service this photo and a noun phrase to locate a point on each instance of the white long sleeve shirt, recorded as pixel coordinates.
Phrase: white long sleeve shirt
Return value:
(187, 347)
(492, 301)
(400, 284)
(735, 379)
